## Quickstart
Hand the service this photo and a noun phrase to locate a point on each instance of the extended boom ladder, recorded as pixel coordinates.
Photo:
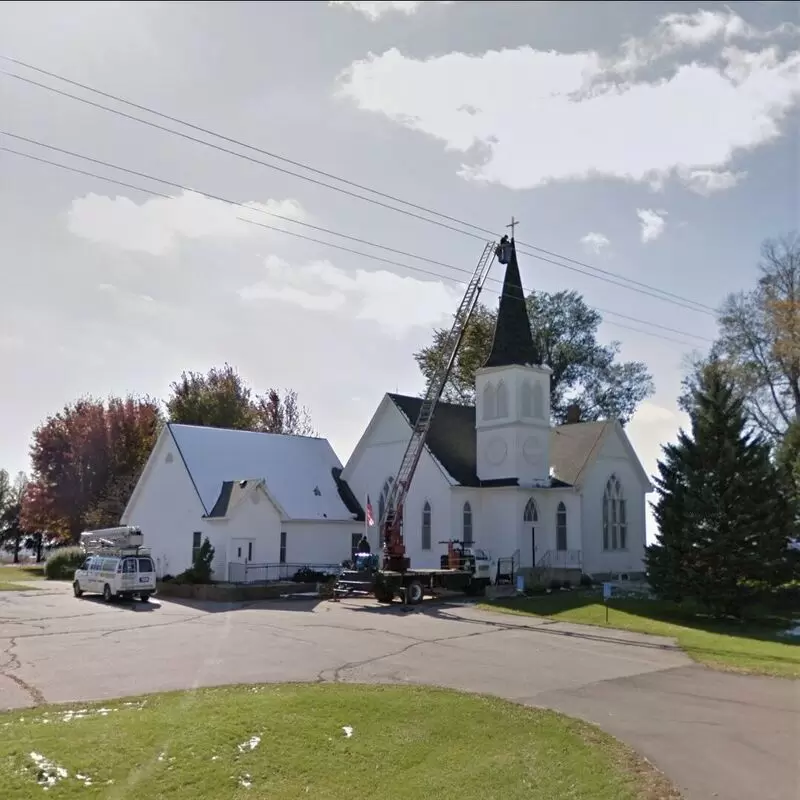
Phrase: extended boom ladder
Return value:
(391, 523)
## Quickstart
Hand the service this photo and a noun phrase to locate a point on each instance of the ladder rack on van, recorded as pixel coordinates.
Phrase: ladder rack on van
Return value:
(116, 552)
(113, 541)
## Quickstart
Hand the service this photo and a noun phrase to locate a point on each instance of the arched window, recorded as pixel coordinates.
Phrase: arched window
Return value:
(383, 498)
(526, 399)
(502, 400)
(538, 401)
(615, 516)
(530, 518)
(561, 527)
(467, 524)
(426, 526)
(489, 402)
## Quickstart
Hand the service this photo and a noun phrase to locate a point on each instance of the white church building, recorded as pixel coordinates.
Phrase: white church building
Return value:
(568, 497)
(498, 475)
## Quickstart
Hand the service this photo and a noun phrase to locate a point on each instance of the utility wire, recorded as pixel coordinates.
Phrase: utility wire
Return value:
(662, 293)
(336, 246)
(285, 219)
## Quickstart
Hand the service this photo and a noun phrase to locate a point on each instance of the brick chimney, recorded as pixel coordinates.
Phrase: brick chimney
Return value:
(573, 414)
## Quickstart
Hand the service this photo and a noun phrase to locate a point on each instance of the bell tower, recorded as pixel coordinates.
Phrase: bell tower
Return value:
(512, 390)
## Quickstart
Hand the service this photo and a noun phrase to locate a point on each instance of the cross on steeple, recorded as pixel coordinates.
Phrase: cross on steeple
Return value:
(514, 223)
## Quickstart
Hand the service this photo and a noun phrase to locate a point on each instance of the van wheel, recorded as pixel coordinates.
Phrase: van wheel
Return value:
(145, 596)
(76, 588)
(107, 596)
(414, 593)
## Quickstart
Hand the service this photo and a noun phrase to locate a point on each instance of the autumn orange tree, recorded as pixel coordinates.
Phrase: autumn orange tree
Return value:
(86, 460)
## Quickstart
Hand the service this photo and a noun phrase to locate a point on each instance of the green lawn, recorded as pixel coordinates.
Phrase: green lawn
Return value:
(16, 578)
(741, 647)
(290, 741)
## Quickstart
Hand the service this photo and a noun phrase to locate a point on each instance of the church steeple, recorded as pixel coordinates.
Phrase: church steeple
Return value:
(513, 342)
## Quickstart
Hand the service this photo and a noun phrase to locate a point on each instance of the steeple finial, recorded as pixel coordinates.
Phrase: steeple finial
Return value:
(513, 341)
(514, 223)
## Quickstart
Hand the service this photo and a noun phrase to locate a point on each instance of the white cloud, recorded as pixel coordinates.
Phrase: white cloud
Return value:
(595, 242)
(709, 181)
(11, 342)
(522, 115)
(131, 302)
(396, 303)
(158, 224)
(375, 10)
(650, 413)
(652, 223)
(676, 32)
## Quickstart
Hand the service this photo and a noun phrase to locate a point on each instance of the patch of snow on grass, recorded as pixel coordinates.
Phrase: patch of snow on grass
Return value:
(348, 731)
(245, 781)
(250, 744)
(87, 781)
(48, 772)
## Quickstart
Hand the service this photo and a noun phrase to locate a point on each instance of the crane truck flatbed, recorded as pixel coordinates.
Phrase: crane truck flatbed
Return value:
(468, 573)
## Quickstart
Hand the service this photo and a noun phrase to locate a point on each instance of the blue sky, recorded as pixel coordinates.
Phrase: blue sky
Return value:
(581, 119)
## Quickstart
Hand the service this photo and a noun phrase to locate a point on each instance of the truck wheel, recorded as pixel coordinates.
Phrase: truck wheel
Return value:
(107, 596)
(414, 593)
(76, 589)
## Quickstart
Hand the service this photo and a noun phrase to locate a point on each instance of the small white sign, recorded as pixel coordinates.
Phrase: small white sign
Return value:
(607, 588)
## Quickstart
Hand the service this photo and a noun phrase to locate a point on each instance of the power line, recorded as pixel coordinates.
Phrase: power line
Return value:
(285, 219)
(333, 245)
(652, 291)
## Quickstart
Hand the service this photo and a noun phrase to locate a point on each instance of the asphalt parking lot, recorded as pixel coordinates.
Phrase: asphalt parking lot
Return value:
(716, 735)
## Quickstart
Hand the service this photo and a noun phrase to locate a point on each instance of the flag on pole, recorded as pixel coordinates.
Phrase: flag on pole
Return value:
(370, 517)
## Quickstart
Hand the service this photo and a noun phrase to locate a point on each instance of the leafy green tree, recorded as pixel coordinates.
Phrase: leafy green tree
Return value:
(218, 399)
(12, 532)
(585, 372)
(201, 569)
(222, 399)
(5, 488)
(723, 515)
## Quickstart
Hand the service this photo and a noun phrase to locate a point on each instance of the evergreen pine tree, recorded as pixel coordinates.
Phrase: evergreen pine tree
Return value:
(722, 512)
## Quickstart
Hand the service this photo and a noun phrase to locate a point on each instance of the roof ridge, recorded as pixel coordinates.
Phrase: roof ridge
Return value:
(246, 430)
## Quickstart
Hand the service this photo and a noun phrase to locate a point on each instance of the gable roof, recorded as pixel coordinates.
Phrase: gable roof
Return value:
(297, 470)
(452, 441)
(232, 493)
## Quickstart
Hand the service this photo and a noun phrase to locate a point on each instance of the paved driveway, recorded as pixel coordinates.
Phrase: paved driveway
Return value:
(716, 735)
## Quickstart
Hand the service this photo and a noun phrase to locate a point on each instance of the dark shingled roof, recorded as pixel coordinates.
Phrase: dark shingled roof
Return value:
(513, 341)
(452, 442)
(229, 496)
(346, 493)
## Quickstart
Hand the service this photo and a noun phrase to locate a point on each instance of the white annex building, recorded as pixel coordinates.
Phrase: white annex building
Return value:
(499, 475)
(260, 498)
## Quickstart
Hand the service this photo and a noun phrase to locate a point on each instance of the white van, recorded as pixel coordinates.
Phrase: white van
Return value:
(116, 576)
